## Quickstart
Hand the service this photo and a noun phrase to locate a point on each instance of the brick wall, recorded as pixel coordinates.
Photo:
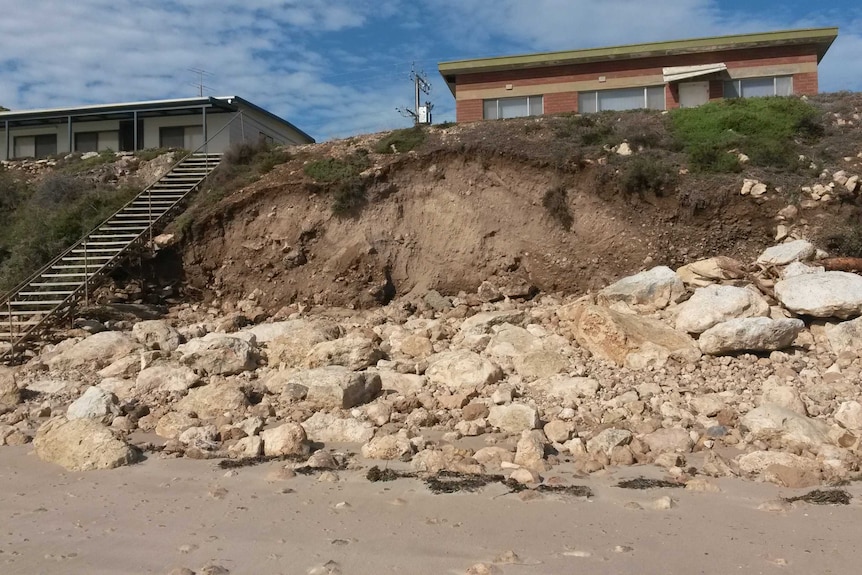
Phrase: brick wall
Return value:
(468, 110)
(805, 83)
(561, 102)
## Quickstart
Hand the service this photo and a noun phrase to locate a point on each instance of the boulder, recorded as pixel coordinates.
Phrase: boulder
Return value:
(750, 334)
(827, 294)
(403, 383)
(462, 370)
(786, 396)
(326, 428)
(849, 416)
(605, 441)
(289, 343)
(388, 448)
(513, 341)
(81, 445)
(845, 336)
(219, 354)
(286, 439)
(540, 364)
(214, 400)
(157, 334)
(625, 339)
(759, 461)
(353, 352)
(715, 304)
(649, 290)
(483, 322)
(671, 440)
(173, 423)
(95, 352)
(530, 451)
(166, 377)
(792, 427)
(514, 418)
(783, 254)
(569, 389)
(10, 395)
(251, 446)
(334, 386)
(95, 403)
(708, 271)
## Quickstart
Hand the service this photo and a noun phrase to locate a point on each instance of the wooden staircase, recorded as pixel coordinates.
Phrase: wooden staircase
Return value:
(51, 294)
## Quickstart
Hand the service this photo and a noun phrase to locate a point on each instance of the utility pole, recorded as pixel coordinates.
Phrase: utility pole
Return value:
(420, 114)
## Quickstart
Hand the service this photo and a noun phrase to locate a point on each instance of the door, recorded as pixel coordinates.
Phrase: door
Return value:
(693, 94)
(127, 135)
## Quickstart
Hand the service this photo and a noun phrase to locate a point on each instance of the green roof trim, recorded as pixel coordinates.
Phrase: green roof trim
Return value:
(823, 37)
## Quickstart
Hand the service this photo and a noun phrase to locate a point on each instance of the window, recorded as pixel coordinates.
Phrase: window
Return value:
(188, 137)
(650, 97)
(87, 142)
(759, 87)
(500, 108)
(35, 146)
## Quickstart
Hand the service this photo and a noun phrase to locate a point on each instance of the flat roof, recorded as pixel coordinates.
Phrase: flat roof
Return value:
(821, 37)
(147, 108)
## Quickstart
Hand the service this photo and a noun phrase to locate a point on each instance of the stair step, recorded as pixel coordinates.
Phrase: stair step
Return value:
(36, 303)
(94, 267)
(41, 293)
(90, 250)
(54, 284)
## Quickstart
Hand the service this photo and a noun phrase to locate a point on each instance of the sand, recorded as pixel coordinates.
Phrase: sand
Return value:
(169, 513)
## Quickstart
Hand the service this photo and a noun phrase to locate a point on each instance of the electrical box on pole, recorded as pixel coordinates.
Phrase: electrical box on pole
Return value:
(420, 114)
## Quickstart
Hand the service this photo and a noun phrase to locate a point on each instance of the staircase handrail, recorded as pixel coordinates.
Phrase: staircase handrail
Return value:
(11, 293)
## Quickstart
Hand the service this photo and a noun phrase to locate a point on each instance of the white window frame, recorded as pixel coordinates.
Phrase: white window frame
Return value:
(645, 106)
(738, 85)
(529, 99)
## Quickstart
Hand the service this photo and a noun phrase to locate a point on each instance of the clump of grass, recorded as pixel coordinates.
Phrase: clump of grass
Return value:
(765, 129)
(150, 154)
(76, 164)
(844, 239)
(401, 141)
(242, 164)
(647, 173)
(333, 170)
(556, 204)
(349, 197)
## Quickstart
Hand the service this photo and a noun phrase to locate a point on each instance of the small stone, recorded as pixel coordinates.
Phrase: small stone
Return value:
(663, 503)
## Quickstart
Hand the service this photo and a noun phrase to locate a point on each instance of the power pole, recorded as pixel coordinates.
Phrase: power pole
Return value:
(420, 114)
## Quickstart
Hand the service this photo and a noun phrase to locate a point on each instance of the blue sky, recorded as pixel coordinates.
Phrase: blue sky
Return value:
(337, 68)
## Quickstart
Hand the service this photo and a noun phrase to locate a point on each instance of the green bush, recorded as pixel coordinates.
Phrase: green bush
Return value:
(348, 197)
(150, 154)
(401, 141)
(556, 204)
(844, 240)
(333, 170)
(76, 164)
(643, 174)
(765, 129)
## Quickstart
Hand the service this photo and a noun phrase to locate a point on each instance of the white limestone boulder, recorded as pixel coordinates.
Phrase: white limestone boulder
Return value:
(462, 370)
(82, 445)
(827, 294)
(335, 386)
(783, 254)
(649, 290)
(219, 354)
(95, 352)
(845, 336)
(714, 304)
(157, 334)
(750, 334)
(95, 403)
(329, 428)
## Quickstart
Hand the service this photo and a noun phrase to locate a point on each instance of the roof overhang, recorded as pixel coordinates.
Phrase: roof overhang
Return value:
(677, 73)
(819, 38)
(121, 111)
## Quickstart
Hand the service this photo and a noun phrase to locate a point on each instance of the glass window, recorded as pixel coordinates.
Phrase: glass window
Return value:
(490, 110)
(537, 105)
(587, 102)
(87, 142)
(46, 145)
(757, 87)
(651, 97)
(655, 98)
(513, 107)
(731, 89)
(25, 147)
(172, 137)
(784, 86)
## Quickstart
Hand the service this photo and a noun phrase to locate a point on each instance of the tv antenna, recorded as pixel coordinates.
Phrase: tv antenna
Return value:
(201, 74)
(420, 114)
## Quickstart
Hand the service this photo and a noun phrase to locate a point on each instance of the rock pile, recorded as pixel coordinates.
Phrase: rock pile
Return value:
(734, 369)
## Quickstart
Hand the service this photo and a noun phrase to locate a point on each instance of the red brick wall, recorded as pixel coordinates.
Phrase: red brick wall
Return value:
(468, 110)
(805, 83)
(671, 96)
(561, 102)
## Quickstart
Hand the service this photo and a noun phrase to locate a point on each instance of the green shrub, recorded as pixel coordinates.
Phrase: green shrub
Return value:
(844, 240)
(333, 170)
(401, 141)
(643, 174)
(348, 197)
(59, 188)
(76, 164)
(556, 203)
(765, 129)
(150, 154)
